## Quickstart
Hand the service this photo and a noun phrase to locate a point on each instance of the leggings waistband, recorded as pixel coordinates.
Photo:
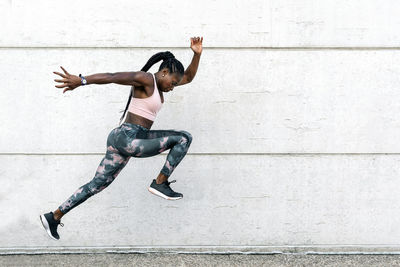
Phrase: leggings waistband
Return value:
(131, 125)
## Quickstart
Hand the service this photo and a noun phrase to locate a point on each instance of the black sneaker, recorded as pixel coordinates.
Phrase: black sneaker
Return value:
(163, 190)
(50, 224)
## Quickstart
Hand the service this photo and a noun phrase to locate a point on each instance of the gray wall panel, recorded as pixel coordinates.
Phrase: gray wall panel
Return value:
(277, 23)
(326, 101)
(240, 200)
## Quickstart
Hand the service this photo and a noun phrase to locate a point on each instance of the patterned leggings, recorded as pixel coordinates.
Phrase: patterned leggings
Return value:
(124, 142)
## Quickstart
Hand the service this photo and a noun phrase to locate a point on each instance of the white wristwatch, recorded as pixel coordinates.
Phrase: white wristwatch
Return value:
(83, 80)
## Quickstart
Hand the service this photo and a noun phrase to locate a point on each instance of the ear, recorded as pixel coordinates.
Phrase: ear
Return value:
(164, 72)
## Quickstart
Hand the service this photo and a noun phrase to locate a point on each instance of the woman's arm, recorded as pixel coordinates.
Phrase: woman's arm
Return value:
(196, 44)
(70, 82)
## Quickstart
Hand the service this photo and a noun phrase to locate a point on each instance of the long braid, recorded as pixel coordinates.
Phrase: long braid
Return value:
(169, 62)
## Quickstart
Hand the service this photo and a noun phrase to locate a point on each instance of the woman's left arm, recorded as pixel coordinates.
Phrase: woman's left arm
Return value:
(196, 44)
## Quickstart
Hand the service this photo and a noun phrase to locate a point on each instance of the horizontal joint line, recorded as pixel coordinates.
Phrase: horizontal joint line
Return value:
(199, 154)
(211, 48)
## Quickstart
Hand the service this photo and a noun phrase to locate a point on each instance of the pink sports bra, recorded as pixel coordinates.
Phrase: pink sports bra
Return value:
(147, 107)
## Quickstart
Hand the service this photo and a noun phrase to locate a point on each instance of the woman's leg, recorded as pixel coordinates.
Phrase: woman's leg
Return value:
(150, 143)
(109, 168)
(146, 144)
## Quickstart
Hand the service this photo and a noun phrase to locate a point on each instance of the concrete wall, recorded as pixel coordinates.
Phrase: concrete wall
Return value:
(294, 112)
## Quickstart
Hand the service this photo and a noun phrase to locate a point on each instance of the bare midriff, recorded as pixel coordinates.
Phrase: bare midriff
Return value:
(136, 119)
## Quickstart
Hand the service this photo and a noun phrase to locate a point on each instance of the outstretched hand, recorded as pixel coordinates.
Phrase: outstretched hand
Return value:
(196, 44)
(69, 81)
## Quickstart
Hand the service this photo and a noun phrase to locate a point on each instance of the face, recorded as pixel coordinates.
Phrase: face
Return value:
(169, 81)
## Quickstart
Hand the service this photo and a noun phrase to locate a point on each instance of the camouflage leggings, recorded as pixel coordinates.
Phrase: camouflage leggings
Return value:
(124, 142)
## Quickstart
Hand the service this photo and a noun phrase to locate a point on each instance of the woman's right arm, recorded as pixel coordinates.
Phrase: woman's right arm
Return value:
(70, 81)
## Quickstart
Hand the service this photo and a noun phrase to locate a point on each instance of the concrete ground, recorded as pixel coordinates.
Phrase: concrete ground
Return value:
(153, 259)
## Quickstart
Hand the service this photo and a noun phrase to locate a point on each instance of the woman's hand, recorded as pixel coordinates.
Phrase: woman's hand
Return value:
(69, 81)
(196, 44)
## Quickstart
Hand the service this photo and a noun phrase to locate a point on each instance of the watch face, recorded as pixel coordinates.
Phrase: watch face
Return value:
(84, 81)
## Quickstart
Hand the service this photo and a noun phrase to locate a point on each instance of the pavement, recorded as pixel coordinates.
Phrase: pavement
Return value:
(157, 259)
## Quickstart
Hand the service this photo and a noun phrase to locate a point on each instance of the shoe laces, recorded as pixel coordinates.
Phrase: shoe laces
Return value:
(168, 183)
(59, 222)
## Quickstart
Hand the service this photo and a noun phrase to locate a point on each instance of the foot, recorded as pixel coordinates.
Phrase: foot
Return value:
(50, 225)
(164, 190)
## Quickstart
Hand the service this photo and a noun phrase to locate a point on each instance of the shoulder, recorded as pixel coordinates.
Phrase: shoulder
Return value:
(144, 78)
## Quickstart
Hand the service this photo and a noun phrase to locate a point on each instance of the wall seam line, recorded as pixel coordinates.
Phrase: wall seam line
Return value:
(205, 48)
(202, 154)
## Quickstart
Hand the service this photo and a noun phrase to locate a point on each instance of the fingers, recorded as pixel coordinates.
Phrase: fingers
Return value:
(66, 86)
(62, 75)
(62, 85)
(65, 83)
(195, 40)
(66, 72)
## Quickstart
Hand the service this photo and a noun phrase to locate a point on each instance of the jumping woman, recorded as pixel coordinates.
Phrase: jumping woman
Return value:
(134, 138)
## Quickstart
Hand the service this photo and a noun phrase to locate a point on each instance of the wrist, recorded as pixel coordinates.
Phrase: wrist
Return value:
(83, 80)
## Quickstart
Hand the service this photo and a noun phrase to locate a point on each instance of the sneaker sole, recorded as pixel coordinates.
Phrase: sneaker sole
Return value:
(46, 226)
(158, 193)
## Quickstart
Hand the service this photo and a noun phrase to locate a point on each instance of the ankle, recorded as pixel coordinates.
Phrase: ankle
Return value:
(159, 181)
(57, 215)
(161, 178)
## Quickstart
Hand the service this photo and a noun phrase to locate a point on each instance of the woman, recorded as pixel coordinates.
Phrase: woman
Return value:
(134, 137)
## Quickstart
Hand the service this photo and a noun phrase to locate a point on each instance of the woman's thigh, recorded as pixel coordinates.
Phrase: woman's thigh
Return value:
(153, 142)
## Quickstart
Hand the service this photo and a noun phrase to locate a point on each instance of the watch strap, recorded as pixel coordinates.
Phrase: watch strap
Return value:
(83, 80)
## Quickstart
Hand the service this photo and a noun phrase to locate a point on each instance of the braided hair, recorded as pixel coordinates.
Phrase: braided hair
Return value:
(169, 61)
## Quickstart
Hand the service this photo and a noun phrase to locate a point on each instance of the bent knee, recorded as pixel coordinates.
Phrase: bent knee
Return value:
(188, 137)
